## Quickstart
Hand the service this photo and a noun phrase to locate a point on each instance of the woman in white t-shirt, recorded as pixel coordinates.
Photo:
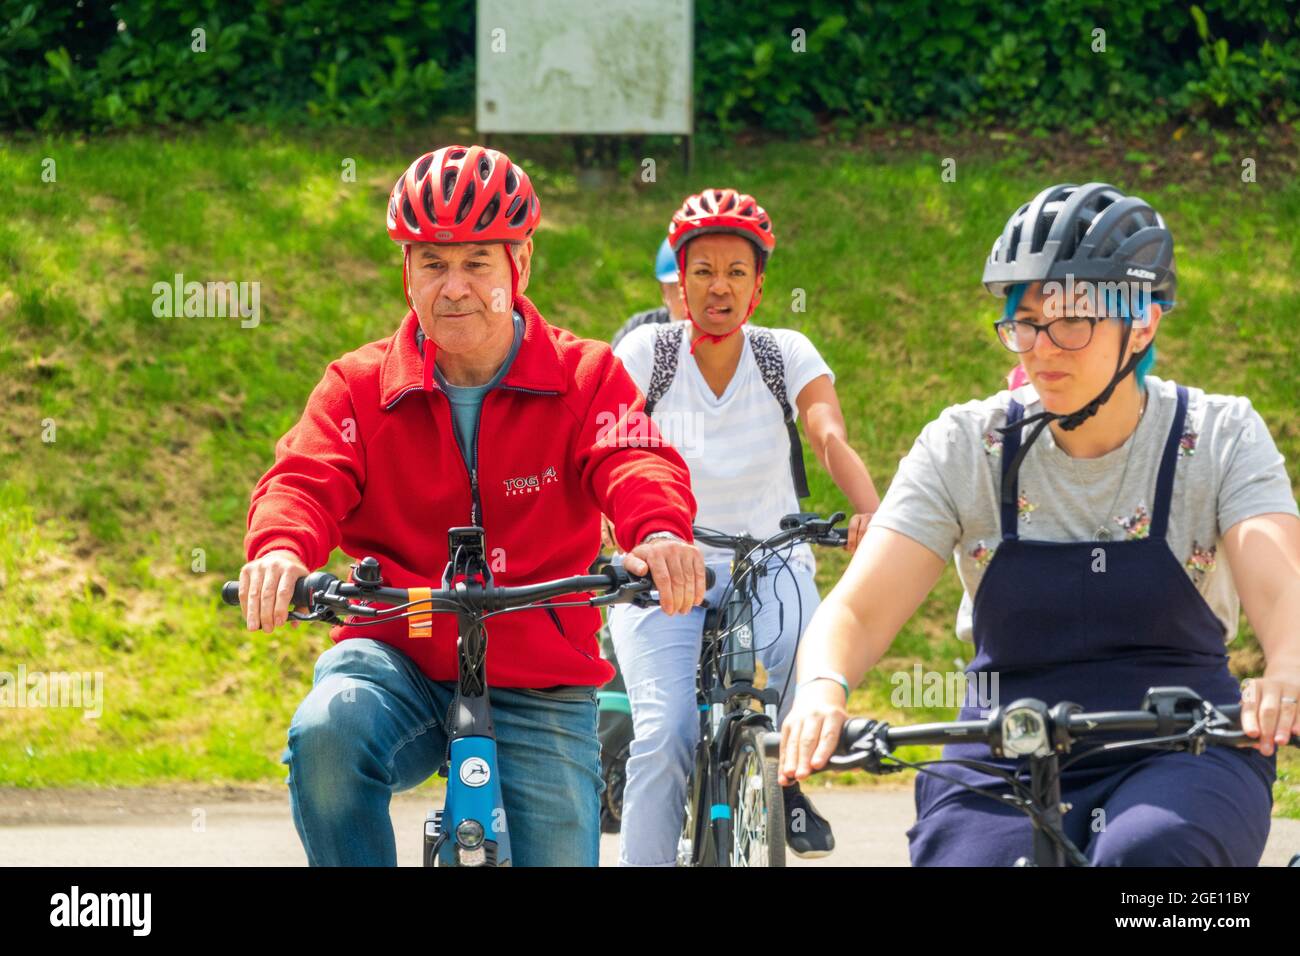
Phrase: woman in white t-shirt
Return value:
(725, 396)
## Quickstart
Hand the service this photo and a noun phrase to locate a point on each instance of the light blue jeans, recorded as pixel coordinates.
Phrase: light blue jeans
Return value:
(372, 726)
(658, 656)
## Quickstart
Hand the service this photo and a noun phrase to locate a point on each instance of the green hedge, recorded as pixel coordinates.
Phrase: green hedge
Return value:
(132, 63)
(1227, 62)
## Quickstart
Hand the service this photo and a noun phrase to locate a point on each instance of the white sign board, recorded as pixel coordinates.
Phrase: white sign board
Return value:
(585, 66)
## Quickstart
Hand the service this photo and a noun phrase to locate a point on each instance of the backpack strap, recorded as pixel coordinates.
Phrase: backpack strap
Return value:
(771, 365)
(668, 346)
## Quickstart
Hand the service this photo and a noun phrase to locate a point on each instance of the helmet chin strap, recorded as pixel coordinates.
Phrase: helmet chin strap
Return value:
(1071, 421)
(514, 276)
(705, 335)
(406, 275)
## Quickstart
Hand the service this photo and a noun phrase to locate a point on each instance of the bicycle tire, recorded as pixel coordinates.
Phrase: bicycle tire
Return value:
(757, 806)
(614, 772)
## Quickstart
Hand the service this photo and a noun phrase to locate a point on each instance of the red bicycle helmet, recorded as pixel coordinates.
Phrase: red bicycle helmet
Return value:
(721, 210)
(463, 194)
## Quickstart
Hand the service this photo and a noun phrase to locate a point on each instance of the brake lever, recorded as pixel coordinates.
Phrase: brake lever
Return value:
(868, 751)
(322, 614)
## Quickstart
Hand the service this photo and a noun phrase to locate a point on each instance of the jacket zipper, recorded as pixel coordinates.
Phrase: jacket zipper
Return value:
(402, 394)
(530, 391)
(476, 508)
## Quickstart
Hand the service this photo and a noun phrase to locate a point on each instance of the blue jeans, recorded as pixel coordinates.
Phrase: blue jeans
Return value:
(373, 725)
(658, 656)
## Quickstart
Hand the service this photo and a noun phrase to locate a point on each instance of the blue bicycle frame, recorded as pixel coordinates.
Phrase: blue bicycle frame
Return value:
(471, 829)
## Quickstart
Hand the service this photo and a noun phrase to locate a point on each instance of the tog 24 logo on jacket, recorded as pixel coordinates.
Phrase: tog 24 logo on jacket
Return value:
(530, 484)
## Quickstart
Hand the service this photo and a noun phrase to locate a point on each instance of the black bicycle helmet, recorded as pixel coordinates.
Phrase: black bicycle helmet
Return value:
(1092, 232)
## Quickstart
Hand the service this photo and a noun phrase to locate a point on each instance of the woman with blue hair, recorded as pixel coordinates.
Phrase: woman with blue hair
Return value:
(1109, 526)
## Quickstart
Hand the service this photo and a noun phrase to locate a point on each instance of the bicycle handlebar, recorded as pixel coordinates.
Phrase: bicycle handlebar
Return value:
(322, 589)
(804, 526)
(1079, 727)
(863, 741)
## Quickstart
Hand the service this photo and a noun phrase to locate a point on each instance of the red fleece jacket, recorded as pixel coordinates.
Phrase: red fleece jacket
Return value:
(373, 467)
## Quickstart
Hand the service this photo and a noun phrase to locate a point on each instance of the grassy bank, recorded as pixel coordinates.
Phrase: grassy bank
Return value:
(115, 535)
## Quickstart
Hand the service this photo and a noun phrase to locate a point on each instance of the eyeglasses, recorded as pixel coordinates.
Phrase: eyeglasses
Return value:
(1070, 333)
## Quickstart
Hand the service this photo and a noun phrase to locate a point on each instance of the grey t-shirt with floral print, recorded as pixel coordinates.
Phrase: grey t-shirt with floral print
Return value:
(945, 494)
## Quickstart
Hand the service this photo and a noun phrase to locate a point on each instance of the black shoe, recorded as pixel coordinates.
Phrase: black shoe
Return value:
(807, 833)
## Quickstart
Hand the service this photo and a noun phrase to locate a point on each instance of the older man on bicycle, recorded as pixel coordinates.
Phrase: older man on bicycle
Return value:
(476, 411)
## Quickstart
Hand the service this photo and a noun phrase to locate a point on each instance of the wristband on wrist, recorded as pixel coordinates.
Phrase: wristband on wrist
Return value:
(828, 675)
(656, 535)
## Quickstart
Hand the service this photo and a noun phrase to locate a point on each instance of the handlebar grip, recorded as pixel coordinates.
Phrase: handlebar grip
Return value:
(851, 732)
(301, 591)
(710, 577)
(641, 597)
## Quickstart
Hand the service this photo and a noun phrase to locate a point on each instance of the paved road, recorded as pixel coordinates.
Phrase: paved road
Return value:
(252, 827)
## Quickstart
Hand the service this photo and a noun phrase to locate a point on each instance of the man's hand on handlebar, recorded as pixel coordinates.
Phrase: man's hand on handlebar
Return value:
(811, 732)
(677, 569)
(266, 588)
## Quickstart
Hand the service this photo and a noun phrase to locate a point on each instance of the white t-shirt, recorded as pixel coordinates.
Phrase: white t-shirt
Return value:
(736, 446)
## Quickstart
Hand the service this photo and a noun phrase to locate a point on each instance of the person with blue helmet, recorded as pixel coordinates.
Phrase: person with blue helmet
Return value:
(671, 310)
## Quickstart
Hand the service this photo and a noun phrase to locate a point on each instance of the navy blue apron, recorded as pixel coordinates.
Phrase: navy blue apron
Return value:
(1054, 626)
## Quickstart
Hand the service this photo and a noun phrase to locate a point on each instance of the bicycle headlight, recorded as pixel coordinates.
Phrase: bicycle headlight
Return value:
(1023, 730)
(469, 834)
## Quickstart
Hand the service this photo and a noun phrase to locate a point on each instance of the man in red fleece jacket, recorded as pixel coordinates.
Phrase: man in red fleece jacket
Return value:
(475, 412)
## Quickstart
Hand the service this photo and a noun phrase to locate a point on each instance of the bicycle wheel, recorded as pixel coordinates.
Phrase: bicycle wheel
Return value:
(614, 771)
(757, 808)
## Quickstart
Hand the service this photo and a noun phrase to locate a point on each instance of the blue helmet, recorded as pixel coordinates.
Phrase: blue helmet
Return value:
(665, 263)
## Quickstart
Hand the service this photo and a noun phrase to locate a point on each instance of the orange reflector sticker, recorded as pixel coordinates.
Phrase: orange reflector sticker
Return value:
(421, 624)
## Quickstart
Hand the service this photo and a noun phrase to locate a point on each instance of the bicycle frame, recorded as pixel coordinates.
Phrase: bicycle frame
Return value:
(471, 828)
(725, 707)
(726, 694)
